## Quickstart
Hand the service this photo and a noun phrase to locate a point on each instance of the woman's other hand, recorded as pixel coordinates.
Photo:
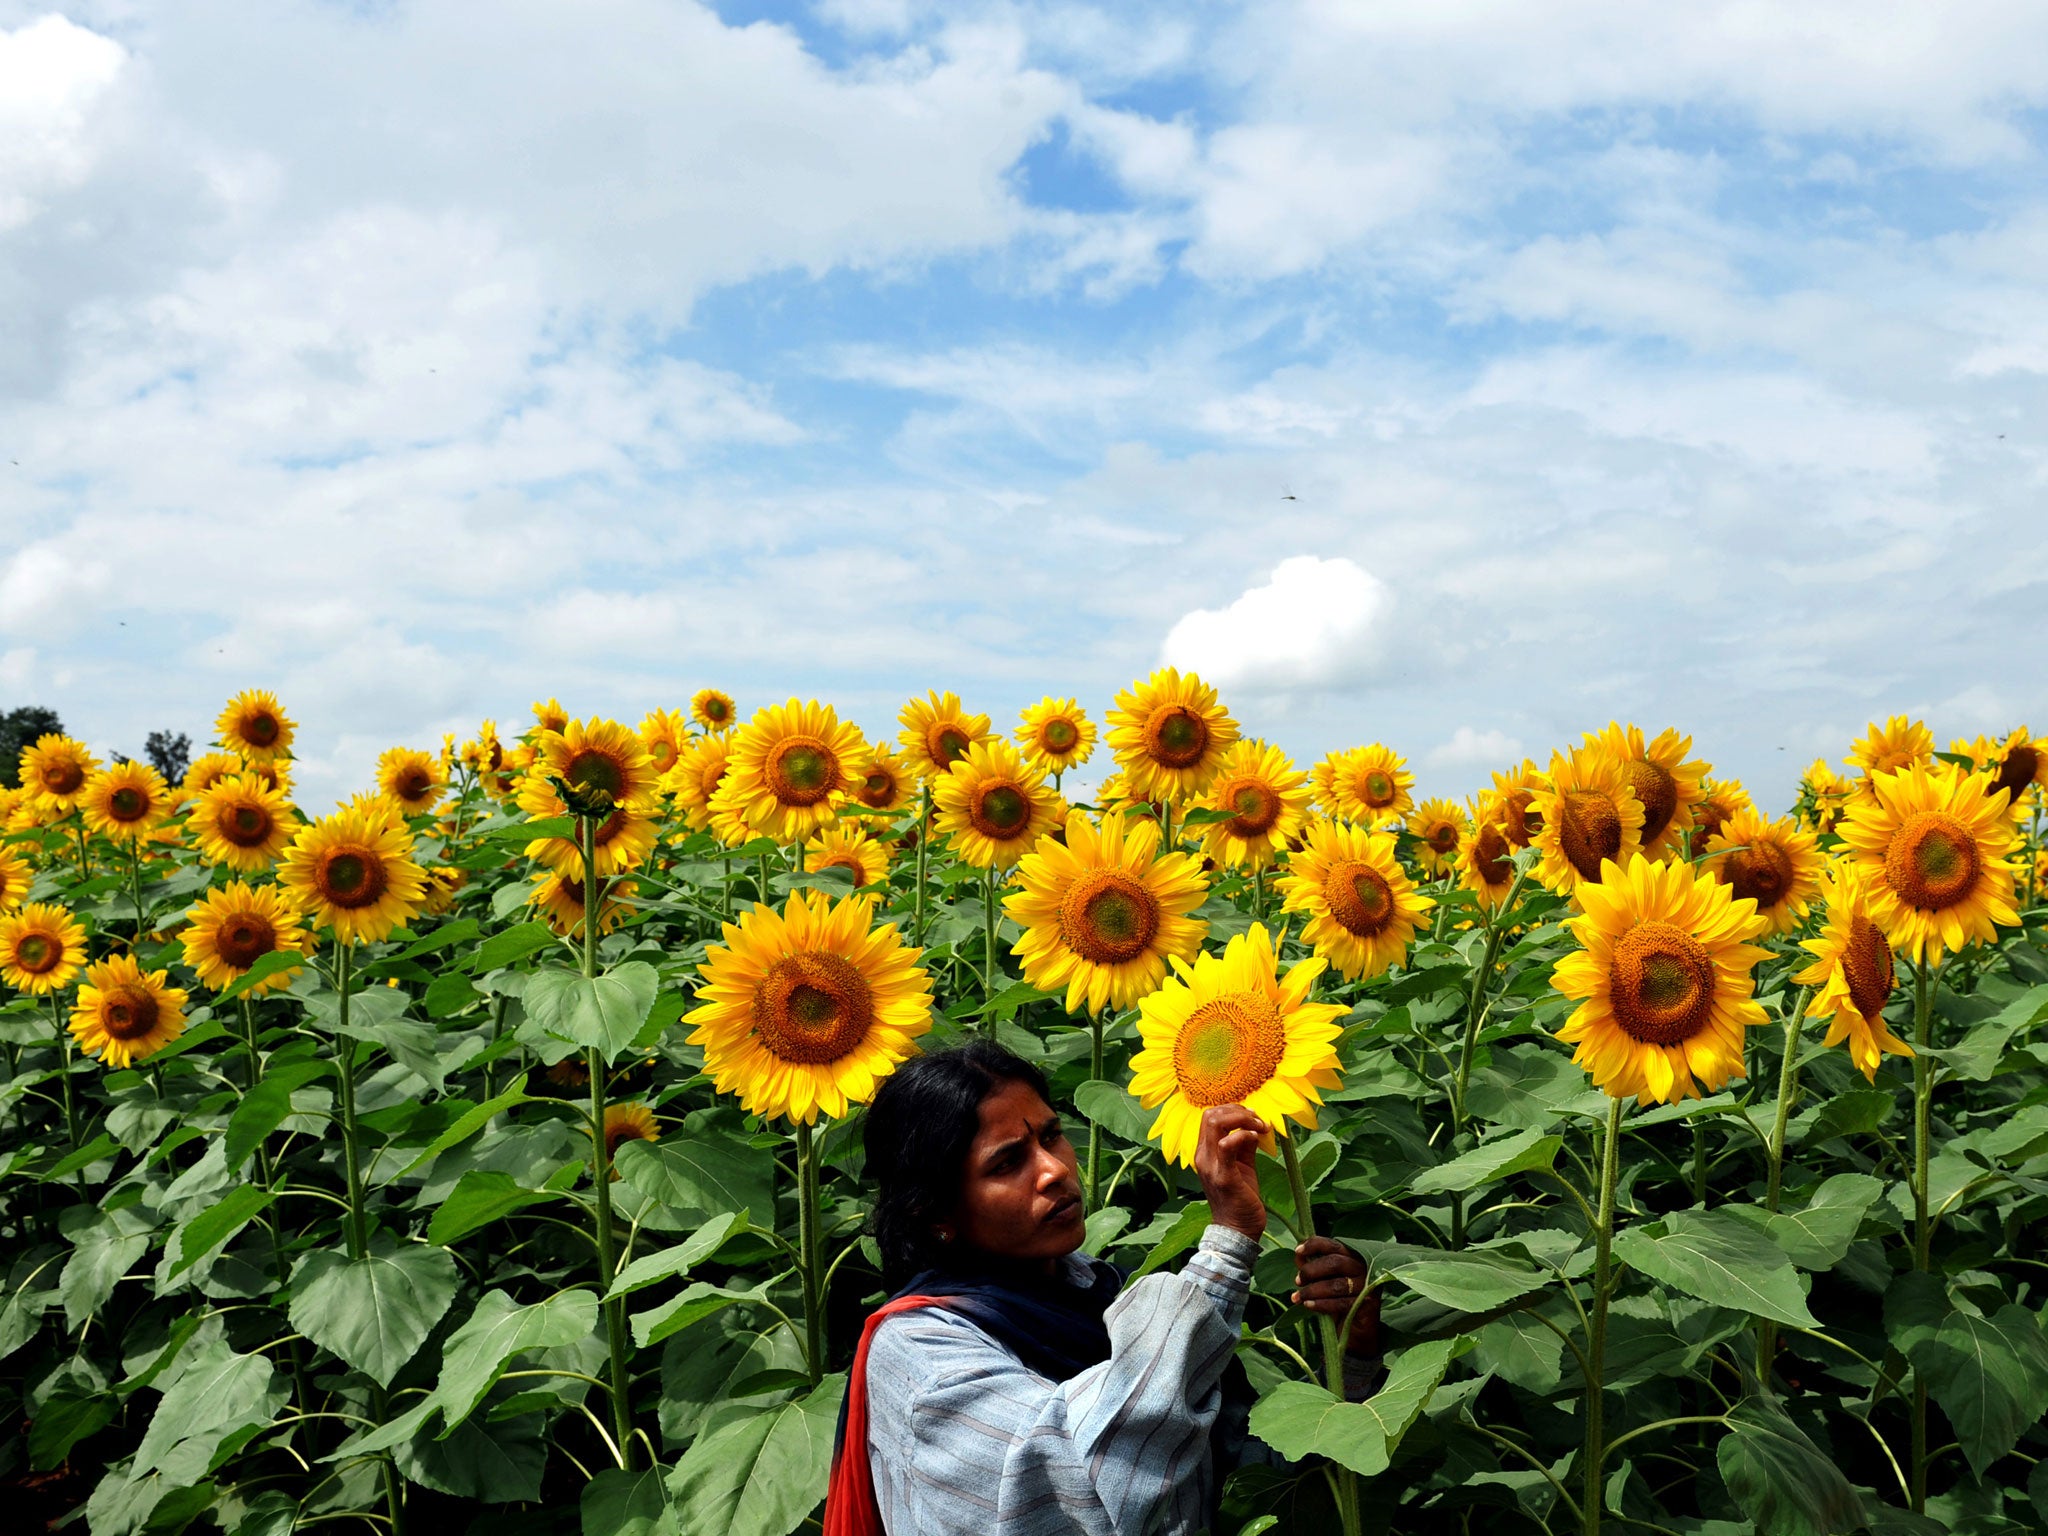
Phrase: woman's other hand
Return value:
(1224, 1161)
(1328, 1277)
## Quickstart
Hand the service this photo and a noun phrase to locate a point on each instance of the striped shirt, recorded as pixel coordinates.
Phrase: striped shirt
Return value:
(964, 1438)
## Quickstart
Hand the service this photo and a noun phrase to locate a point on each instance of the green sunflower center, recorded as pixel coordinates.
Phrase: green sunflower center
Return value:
(1256, 804)
(1059, 735)
(1000, 811)
(1933, 861)
(1763, 871)
(350, 876)
(801, 770)
(246, 825)
(591, 769)
(128, 1012)
(36, 953)
(1589, 831)
(261, 728)
(127, 804)
(244, 939)
(1176, 736)
(1229, 1048)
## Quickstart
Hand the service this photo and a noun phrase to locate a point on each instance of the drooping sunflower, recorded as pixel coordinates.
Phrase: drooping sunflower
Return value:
(1665, 783)
(125, 1014)
(1113, 794)
(243, 823)
(604, 759)
(2020, 765)
(41, 948)
(550, 716)
(1056, 734)
(1486, 864)
(55, 770)
(207, 771)
(1514, 800)
(1369, 785)
(125, 802)
(1899, 743)
(627, 1122)
(255, 725)
(1105, 911)
(727, 817)
(15, 879)
(1933, 843)
(560, 899)
(886, 781)
(623, 840)
(1823, 797)
(411, 779)
(714, 711)
(994, 806)
(805, 1010)
(1719, 800)
(1362, 909)
(1591, 817)
(1268, 799)
(1776, 864)
(234, 927)
(1229, 1029)
(937, 731)
(484, 753)
(792, 767)
(1170, 734)
(695, 779)
(443, 881)
(665, 734)
(1666, 980)
(1440, 830)
(843, 847)
(354, 874)
(276, 774)
(1853, 970)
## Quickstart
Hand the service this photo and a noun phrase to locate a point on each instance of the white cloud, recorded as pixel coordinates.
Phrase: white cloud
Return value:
(1315, 624)
(53, 75)
(1469, 748)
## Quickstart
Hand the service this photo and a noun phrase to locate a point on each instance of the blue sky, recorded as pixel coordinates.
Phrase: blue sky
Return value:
(1461, 375)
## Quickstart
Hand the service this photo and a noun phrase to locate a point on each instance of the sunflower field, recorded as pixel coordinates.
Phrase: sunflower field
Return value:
(483, 1154)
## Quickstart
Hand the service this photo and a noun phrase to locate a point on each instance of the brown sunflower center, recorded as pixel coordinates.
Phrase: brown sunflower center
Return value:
(260, 727)
(999, 811)
(1256, 803)
(592, 768)
(1378, 789)
(351, 876)
(2017, 772)
(716, 710)
(414, 784)
(244, 939)
(1658, 791)
(245, 825)
(947, 742)
(36, 953)
(63, 777)
(127, 804)
(1661, 984)
(1228, 1048)
(1590, 831)
(1867, 966)
(1762, 871)
(1176, 736)
(1491, 856)
(843, 861)
(128, 1012)
(1107, 917)
(634, 1123)
(1933, 861)
(1059, 735)
(812, 1008)
(801, 770)
(877, 789)
(1359, 898)
(1524, 821)
(1443, 837)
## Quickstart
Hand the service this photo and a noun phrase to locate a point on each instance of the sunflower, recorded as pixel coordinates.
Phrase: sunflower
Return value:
(411, 779)
(994, 806)
(1229, 1029)
(484, 753)
(550, 716)
(1362, 910)
(1113, 794)
(804, 1011)
(1104, 911)
(1514, 797)
(1718, 802)
(599, 758)
(1899, 743)
(2020, 765)
(443, 881)
(15, 879)
(1369, 785)
(1823, 797)
(885, 780)
(714, 711)
(276, 775)
(665, 734)
(125, 802)
(849, 848)
(1933, 845)
(726, 817)
(41, 948)
(1169, 734)
(234, 927)
(55, 770)
(1056, 735)
(125, 1014)
(1591, 816)
(1666, 977)
(354, 874)
(24, 811)
(560, 899)
(1267, 797)
(627, 1122)
(243, 823)
(1486, 862)
(1440, 830)
(793, 767)
(1776, 864)
(694, 779)
(1853, 969)
(937, 732)
(209, 770)
(623, 840)
(1667, 785)
(254, 725)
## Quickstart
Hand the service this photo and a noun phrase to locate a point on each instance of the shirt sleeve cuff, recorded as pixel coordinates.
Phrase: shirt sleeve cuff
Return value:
(1230, 1244)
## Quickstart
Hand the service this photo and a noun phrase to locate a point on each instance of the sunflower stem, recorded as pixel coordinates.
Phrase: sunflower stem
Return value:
(1344, 1482)
(1923, 1226)
(810, 1249)
(1094, 1131)
(1596, 1326)
(762, 886)
(345, 1070)
(84, 865)
(70, 1102)
(1788, 1090)
(1476, 1003)
(924, 820)
(135, 890)
(601, 1166)
(988, 948)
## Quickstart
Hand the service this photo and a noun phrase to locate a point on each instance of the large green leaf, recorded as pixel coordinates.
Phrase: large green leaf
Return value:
(1782, 1480)
(68, 1413)
(514, 944)
(1489, 1162)
(1990, 1375)
(103, 1244)
(374, 1312)
(1468, 1283)
(1111, 1106)
(1817, 1235)
(620, 1503)
(464, 1126)
(723, 1370)
(760, 1475)
(679, 1259)
(479, 1198)
(497, 1330)
(1519, 1349)
(704, 1169)
(1723, 1259)
(498, 1464)
(1298, 1418)
(1847, 1114)
(695, 1303)
(266, 1106)
(212, 1393)
(212, 1229)
(1185, 1231)
(601, 1013)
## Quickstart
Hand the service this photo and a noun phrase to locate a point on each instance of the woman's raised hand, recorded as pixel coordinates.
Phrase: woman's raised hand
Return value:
(1224, 1156)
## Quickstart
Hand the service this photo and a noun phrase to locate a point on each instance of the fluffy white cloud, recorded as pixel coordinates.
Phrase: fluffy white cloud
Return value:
(1313, 625)
(1475, 749)
(53, 76)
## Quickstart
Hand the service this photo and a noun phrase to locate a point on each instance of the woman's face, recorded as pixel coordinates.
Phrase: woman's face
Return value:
(1020, 1193)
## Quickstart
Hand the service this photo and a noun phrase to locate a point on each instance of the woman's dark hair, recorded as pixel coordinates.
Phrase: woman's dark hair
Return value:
(918, 1130)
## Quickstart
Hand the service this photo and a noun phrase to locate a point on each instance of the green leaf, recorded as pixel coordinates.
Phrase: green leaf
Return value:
(448, 994)
(276, 963)
(498, 1464)
(1519, 1349)
(1817, 1236)
(1990, 1375)
(103, 1244)
(1720, 1258)
(465, 1125)
(266, 1106)
(697, 1302)
(1299, 1419)
(1185, 1232)
(602, 1013)
(1111, 1107)
(702, 1169)
(563, 827)
(1468, 1284)
(69, 1414)
(213, 1394)
(1318, 1153)
(1784, 1482)
(97, 1150)
(1854, 1113)
(761, 1475)
(213, 1227)
(497, 1330)
(374, 1312)
(703, 1370)
(479, 1198)
(1490, 1162)
(670, 1262)
(514, 944)
(619, 1503)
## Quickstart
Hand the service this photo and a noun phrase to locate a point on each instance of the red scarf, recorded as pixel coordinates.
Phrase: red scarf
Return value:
(850, 1506)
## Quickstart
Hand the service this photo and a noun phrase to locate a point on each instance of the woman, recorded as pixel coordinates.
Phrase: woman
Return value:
(1015, 1386)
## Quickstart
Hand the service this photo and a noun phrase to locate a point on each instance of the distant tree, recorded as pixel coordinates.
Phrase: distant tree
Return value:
(19, 728)
(169, 755)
